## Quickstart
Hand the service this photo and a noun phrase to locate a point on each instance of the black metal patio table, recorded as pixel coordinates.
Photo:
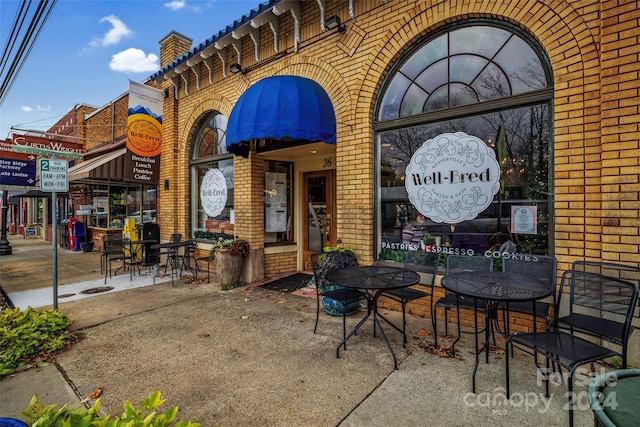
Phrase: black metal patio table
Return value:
(374, 280)
(492, 288)
(172, 249)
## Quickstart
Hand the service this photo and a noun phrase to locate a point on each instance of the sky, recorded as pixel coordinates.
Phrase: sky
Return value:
(88, 50)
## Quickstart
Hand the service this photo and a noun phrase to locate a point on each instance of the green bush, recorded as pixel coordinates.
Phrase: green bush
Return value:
(39, 415)
(29, 335)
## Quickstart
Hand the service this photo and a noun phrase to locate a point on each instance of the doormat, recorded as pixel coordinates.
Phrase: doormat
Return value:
(289, 283)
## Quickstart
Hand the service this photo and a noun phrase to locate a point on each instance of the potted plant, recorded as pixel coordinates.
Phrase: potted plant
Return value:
(429, 241)
(228, 255)
(331, 259)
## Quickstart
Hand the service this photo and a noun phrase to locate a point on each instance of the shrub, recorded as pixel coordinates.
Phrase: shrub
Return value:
(30, 335)
(49, 416)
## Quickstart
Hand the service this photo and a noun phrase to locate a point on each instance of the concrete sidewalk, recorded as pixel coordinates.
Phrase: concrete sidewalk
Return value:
(249, 357)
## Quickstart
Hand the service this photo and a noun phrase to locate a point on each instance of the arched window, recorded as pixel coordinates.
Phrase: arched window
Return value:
(209, 152)
(486, 79)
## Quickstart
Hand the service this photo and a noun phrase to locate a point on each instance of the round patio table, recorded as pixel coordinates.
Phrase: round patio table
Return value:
(492, 288)
(374, 280)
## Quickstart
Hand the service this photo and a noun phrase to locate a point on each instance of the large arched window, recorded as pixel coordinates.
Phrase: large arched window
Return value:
(486, 79)
(209, 152)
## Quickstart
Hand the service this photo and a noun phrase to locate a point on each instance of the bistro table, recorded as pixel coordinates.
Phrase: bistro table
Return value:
(374, 280)
(172, 250)
(493, 288)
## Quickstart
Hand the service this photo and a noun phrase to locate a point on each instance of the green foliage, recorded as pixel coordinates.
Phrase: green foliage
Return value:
(28, 334)
(394, 255)
(39, 415)
(211, 236)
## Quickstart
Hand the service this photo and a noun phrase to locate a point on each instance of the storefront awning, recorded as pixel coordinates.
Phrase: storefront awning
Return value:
(108, 166)
(281, 107)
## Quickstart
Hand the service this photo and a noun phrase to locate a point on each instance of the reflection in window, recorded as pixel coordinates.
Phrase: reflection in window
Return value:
(278, 202)
(464, 66)
(209, 151)
(467, 66)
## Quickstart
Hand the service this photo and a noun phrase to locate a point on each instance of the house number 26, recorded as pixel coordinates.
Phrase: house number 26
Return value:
(327, 162)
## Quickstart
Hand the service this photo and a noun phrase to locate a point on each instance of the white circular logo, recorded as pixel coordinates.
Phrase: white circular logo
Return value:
(452, 177)
(213, 192)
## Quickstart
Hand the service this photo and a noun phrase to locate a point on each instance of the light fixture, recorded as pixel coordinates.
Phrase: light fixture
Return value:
(235, 68)
(333, 22)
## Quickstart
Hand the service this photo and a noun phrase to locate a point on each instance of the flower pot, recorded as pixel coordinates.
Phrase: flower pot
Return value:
(87, 246)
(335, 308)
(228, 268)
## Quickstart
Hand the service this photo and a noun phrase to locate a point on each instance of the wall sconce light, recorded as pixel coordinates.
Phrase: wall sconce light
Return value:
(333, 22)
(166, 184)
(235, 68)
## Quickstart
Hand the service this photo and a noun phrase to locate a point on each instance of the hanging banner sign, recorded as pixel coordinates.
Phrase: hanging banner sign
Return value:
(452, 177)
(144, 135)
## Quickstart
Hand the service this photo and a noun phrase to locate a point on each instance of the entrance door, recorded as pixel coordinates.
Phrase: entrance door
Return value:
(320, 207)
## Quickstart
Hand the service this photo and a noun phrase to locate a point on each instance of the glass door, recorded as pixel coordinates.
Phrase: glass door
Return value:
(319, 215)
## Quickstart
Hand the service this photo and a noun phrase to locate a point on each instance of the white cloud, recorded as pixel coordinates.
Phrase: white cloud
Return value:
(44, 109)
(176, 4)
(26, 109)
(118, 31)
(134, 60)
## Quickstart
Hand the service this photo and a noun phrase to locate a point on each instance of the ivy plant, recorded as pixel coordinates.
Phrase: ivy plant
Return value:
(39, 415)
(29, 335)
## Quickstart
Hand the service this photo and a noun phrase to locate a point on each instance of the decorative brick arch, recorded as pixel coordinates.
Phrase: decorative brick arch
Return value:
(572, 49)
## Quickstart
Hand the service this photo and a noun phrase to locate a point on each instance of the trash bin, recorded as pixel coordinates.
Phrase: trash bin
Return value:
(151, 234)
(614, 398)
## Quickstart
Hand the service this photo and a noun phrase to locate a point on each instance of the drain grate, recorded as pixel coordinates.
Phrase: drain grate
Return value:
(97, 290)
(65, 295)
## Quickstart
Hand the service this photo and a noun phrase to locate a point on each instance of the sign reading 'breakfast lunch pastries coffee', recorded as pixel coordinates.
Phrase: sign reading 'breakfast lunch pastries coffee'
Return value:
(144, 134)
(213, 192)
(452, 177)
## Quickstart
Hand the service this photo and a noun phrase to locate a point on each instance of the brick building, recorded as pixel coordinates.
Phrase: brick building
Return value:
(561, 80)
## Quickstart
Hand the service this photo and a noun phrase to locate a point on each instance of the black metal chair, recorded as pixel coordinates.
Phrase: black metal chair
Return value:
(541, 267)
(600, 308)
(170, 253)
(425, 263)
(103, 256)
(630, 273)
(459, 263)
(321, 263)
(117, 250)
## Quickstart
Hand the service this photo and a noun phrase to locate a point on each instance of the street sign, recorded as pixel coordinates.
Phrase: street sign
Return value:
(16, 169)
(54, 175)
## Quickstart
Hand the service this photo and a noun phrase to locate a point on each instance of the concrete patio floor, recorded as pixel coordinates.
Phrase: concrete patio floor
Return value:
(249, 357)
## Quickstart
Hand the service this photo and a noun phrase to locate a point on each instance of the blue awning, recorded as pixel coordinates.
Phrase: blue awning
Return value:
(281, 107)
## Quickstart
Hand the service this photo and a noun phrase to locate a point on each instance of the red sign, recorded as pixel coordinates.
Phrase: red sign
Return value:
(46, 144)
(6, 153)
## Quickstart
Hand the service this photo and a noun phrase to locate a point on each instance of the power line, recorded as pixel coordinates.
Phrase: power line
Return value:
(40, 16)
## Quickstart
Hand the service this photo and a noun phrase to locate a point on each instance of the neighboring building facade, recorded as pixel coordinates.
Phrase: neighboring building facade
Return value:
(553, 89)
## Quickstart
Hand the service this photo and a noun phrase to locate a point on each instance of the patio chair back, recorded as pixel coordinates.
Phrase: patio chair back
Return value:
(423, 262)
(600, 306)
(460, 263)
(630, 273)
(541, 267)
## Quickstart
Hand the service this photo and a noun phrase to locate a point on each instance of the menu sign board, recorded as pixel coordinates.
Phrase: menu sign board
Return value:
(452, 177)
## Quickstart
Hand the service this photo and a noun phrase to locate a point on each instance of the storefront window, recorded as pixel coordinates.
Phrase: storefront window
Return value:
(113, 203)
(277, 202)
(211, 180)
(486, 81)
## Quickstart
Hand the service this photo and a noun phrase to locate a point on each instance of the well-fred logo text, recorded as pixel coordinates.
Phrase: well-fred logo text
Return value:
(453, 177)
